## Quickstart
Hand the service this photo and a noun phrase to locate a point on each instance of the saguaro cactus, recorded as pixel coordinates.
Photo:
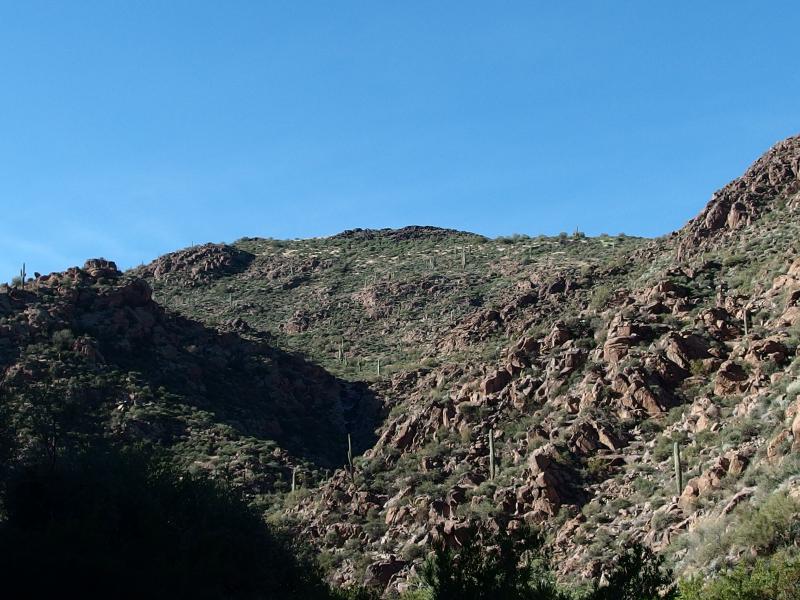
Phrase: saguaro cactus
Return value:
(294, 479)
(676, 452)
(350, 456)
(379, 367)
(491, 454)
(463, 258)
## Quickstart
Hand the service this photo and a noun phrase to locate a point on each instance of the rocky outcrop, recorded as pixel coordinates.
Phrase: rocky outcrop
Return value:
(198, 264)
(411, 232)
(774, 176)
(100, 267)
(731, 464)
(731, 378)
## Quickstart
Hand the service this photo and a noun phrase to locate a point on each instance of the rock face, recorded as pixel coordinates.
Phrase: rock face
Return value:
(773, 177)
(199, 264)
(574, 390)
(137, 373)
(731, 378)
(100, 267)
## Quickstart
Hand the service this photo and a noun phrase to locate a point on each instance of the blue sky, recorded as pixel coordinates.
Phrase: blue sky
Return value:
(130, 129)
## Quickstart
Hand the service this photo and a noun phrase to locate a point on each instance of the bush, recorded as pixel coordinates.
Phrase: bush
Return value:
(515, 568)
(775, 578)
(63, 339)
(507, 568)
(600, 297)
(639, 575)
(774, 524)
(127, 525)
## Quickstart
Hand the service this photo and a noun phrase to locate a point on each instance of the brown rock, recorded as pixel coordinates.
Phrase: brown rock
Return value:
(100, 267)
(731, 378)
(496, 382)
(616, 348)
(767, 350)
(381, 573)
(682, 349)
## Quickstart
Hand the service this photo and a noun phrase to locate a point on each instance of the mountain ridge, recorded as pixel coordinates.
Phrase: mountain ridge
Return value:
(487, 384)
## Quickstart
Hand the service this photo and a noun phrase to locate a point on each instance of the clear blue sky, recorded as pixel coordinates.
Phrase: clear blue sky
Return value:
(129, 129)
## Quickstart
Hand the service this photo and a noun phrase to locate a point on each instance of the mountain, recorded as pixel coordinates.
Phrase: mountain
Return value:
(486, 384)
(87, 353)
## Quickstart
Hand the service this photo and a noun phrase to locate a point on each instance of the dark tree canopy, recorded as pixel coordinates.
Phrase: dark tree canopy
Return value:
(125, 525)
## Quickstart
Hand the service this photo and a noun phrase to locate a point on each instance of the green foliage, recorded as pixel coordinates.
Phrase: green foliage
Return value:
(357, 593)
(638, 575)
(63, 339)
(774, 524)
(127, 525)
(507, 568)
(774, 578)
(600, 296)
(516, 568)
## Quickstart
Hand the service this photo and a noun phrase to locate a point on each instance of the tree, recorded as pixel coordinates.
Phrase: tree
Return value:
(125, 524)
(639, 575)
(504, 566)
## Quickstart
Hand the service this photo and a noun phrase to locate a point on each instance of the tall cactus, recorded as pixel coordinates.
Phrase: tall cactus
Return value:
(491, 455)
(463, 258)
(350, 457)
(676, 452)
(379, 367)
(294, 480)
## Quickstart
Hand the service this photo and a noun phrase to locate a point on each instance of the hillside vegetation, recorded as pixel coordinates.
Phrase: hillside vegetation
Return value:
(485, 386)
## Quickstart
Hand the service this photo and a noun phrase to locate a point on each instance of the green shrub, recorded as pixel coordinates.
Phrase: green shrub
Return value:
(134, 527)
(503, 567)
(774, 578)
(509, 567)
(774, 524)
(638, 575)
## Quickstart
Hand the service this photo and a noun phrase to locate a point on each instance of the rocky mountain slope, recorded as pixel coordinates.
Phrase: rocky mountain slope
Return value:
(88, 353)
(486, 384)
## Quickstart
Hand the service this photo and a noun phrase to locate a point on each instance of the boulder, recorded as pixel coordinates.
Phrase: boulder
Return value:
(731, 378)
(100, 267)
(496, 382)
(379, 574)
(765, 350)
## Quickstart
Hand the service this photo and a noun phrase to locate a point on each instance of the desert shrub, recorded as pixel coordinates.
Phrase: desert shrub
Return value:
(503, 567)
(63, 339)
(774, 524)
(104, 523)
(639, 574)
(774, 578)
(598, 468)
(516, 568)
(600, 296)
